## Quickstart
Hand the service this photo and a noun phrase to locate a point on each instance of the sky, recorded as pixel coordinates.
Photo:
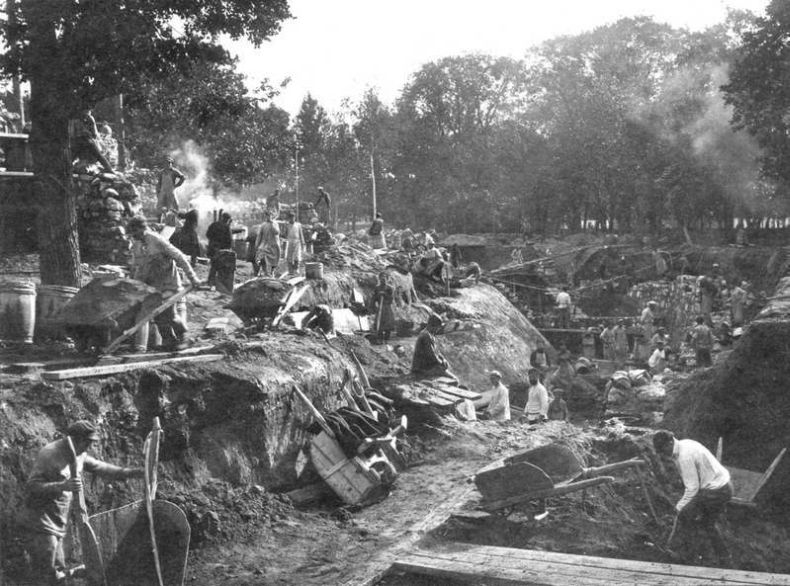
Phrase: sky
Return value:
(335, 49)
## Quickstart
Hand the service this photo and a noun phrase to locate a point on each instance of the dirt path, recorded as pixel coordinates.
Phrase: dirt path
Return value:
(323, 547)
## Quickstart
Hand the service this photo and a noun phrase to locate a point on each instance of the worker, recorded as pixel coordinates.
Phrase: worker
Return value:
(220, 247)
(537, 407)
(707, 489)
(156, 263)
(267, 245)
(658, 359)
(169, 179)
(84, 135)
(376, 233)
(383, 298)
(456, 257)
(49, 493)
(608, 340)
(707, 289)
(737, 302)
(659, 336)
(646, 331)
(294, 243)
(427, 361)
(702, 342)
(558, 408)
(273, 205)
(323, 206)
(432, 263)
(320, 318)
(186, 239)
(495, 400)
(540, 359)
(563, 308)
(620, 343)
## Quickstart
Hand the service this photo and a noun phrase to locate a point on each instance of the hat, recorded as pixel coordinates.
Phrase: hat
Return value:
(137, 223)
(652, 303)
(435, 320)
(495, 373)
(83, 430)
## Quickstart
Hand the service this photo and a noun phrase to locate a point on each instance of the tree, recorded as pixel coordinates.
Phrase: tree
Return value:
(759, 88)
(75, 54)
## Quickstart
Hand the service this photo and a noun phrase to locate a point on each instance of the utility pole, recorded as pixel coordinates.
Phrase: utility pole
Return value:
(373, 182)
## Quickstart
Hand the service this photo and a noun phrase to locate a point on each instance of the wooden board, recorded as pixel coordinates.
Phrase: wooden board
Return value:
(116, 368)
(347, 477)
(498, 565)
(126, 543)
(453, 390)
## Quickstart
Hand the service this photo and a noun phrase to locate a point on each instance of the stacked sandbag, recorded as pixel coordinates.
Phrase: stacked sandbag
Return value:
(634, 393)
(104, 201)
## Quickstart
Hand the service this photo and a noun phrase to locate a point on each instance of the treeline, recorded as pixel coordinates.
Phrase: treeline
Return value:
(625, 127)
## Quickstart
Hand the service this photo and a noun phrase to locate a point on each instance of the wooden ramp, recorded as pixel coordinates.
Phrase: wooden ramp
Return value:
(479, 564)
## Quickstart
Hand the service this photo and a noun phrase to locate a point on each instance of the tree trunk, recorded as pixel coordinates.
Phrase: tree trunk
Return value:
(54, 193)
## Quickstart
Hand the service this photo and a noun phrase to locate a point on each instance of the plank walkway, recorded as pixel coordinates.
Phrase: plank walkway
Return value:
(479, 564)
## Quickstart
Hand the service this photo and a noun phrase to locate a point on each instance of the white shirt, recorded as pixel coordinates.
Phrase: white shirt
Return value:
(497, 398)
(537, 401)
(698, 468)
(658, 357)
(563, 299)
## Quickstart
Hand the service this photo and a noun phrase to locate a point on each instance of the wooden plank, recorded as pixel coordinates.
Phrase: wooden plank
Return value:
(117, 368)
(453, 390)
(525, 556)
(514, 566)
(483, 570)
(124, 358)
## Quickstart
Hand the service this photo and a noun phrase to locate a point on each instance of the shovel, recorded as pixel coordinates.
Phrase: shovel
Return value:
(91, 554)
(151, 457)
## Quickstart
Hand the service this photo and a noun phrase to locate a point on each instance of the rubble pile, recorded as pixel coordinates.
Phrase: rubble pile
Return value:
(102, 202)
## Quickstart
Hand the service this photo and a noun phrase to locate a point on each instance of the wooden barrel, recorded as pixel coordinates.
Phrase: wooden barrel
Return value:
(50, 299)
(314, 270)
(17, 311)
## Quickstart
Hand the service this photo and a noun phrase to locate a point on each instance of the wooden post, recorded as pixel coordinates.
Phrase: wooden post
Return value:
(373, 182)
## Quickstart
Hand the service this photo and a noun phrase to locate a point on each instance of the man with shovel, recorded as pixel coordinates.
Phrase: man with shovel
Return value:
(708, 488)
(49, 494)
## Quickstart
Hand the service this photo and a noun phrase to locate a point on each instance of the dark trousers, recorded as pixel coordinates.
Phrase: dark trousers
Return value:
(563, 317)
(700, 516)
(704, 357)
(170, 326)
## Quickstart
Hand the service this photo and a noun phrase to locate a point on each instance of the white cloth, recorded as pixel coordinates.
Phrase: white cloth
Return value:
(537, 402)
(657, 360)
(698, 468)
(563, 299)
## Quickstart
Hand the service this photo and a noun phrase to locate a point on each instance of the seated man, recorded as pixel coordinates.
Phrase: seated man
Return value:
(496, 399)
(428, 362)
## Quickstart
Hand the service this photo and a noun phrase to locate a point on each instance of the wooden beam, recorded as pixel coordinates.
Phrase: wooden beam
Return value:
(499, 565)
(118, 368)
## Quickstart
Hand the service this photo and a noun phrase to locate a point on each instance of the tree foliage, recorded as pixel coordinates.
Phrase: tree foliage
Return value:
(759, 88)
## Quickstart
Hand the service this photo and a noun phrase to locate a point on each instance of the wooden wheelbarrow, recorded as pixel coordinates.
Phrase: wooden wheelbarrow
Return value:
(538, 474)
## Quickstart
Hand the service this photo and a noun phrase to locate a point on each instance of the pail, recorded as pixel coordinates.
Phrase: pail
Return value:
(314, 270)
(49, 301)
(240, 247)
(17, 311)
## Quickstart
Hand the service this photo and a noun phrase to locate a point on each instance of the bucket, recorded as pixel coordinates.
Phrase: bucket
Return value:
(49, 301)
(17, 311)
(314, 270)
(240, 248)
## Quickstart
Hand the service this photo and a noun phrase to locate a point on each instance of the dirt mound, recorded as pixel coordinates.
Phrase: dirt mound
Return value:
(744, 400)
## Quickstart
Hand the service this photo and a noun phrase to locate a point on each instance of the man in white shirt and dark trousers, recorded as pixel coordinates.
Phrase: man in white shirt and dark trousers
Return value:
(496, 400)
(708, 488)
(537, 407)
(563, 308)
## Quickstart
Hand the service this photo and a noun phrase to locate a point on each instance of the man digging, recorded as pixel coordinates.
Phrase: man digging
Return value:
(708, 490)
(49, 494)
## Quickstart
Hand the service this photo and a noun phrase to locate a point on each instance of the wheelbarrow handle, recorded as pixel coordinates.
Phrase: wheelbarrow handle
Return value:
(607, 468)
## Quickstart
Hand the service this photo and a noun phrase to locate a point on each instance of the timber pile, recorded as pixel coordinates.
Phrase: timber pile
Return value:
(102, 202)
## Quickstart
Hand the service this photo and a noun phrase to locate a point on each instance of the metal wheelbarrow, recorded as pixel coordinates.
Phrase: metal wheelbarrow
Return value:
(538, 474)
